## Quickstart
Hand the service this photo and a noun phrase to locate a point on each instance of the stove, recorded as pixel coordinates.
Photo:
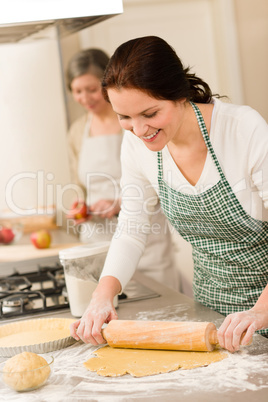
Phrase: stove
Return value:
(33, 292)
(34, 288)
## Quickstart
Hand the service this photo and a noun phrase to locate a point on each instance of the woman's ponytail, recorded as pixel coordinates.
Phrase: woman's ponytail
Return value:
(199, 90)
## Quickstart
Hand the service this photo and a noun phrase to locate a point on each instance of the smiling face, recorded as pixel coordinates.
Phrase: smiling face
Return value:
(86, 90)
(156, 122)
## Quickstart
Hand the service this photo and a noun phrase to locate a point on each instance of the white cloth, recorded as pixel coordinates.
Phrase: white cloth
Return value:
(99, 171)
(239, 136)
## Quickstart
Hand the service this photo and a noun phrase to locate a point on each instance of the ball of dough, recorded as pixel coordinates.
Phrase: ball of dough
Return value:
(25, 371)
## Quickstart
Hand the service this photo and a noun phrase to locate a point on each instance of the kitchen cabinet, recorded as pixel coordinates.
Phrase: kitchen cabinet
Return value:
(243, 376)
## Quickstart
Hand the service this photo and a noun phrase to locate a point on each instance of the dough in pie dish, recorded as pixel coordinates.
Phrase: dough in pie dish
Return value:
(114, 362)
(26, 371)
(38, 336)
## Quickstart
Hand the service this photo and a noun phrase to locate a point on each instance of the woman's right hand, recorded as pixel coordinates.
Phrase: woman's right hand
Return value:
(79, 212)
(99, 311)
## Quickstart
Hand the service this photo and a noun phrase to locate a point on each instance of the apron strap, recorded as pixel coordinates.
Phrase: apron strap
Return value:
(205, 135)
(160, 165)
(87, 127)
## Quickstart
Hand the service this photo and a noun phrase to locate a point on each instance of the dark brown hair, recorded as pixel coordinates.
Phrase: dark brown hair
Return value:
(151, 65)
(93, 61)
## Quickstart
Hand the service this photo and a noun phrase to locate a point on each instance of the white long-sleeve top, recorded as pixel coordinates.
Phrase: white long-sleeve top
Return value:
(239, 136)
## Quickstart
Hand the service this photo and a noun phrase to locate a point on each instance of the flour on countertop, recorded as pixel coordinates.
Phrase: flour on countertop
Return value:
(177, 312)
(70, 382)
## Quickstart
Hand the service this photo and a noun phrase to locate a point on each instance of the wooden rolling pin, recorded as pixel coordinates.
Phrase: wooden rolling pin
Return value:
(195, 336)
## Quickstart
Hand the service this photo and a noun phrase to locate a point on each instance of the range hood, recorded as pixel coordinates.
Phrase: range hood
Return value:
(23, 20)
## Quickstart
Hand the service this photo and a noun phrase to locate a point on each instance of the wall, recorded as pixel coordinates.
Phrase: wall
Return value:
(69, 46)
(239, 25)
(252, 28)
(33, 150)
(195, 28)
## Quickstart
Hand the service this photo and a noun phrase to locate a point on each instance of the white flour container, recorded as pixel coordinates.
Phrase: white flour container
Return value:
(82, 268)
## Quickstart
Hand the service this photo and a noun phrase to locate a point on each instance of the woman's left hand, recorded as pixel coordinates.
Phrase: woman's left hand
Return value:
(105, 208)
(234, 325)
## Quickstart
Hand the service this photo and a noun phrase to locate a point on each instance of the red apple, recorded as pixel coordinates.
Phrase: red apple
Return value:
(6, 235)
(41, 239)
(78, 210)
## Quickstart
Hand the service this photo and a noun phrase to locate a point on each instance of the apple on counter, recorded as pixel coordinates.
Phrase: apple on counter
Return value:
(41, 239)
(6, 235)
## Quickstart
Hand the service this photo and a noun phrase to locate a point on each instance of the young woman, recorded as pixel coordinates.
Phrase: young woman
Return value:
(94, 148)
(207, 162)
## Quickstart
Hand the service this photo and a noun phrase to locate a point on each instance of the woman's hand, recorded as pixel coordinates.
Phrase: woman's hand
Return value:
(232, 328)
(105, 208)
(79, 212)
(234, 325)
(99, 311)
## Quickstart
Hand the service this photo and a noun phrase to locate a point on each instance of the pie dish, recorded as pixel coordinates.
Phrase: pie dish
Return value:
(38, 336)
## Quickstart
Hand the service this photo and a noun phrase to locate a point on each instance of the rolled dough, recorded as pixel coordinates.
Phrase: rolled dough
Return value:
(114, 362)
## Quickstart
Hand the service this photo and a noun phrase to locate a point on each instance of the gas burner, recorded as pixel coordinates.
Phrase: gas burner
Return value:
(13, 283)
(13, 303)
(4, 287)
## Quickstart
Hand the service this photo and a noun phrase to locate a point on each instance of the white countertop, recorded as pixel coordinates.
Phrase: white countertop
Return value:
(243, 376)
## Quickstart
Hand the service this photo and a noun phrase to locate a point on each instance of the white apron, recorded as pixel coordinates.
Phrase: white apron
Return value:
(99, 170)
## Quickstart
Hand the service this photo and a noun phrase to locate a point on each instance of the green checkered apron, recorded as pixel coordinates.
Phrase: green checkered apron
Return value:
(230, 248)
